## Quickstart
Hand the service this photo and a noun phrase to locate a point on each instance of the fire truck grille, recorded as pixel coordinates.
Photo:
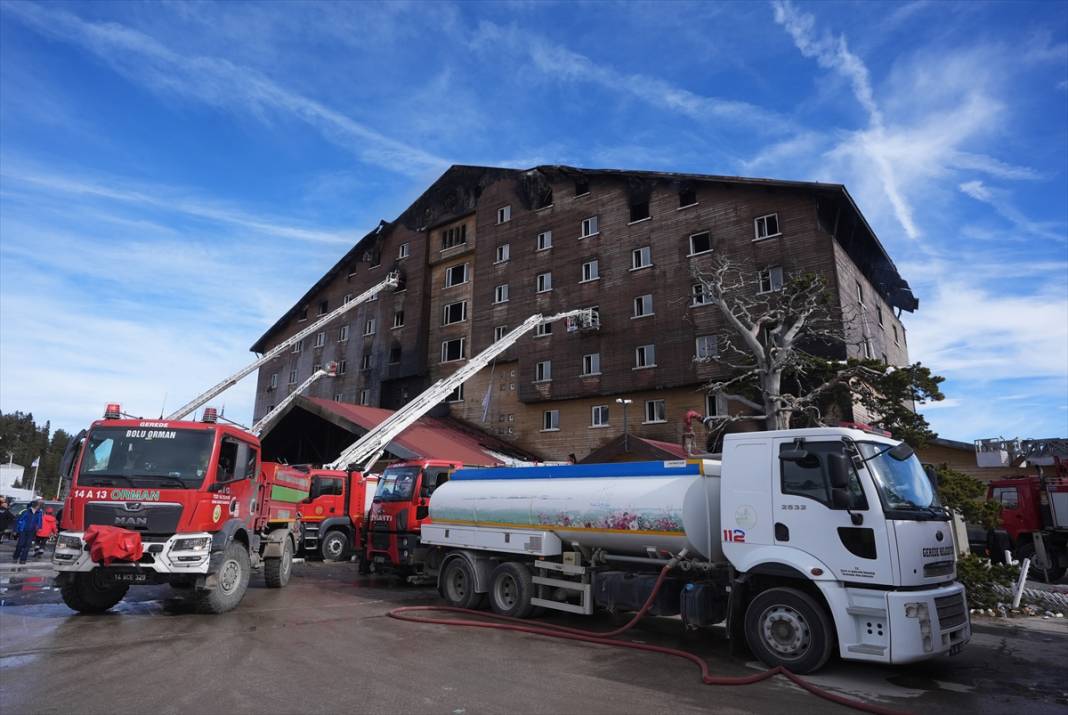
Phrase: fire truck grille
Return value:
(951, 611)
(380, 539)
(146, 518)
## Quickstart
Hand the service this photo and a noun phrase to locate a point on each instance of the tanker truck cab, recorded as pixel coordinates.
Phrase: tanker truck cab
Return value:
(401, 504)
(202, 508)
(851, 521)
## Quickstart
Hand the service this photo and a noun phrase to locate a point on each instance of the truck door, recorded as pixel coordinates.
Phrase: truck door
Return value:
(805, 518)
(433, 477)
(1017, 515)
(325, 497)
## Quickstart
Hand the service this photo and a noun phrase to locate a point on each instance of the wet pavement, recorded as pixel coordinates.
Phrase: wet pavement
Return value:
(325, 644)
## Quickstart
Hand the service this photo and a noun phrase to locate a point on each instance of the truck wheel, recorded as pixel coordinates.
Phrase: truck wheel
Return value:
(1026, 550)
(92, 592)
(787, 627)
(232, 578)
(511, 588)
(335, 546)
(458, 585)
(276, 571)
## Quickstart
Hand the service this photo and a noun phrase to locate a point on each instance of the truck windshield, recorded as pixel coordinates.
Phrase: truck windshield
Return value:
(902, 483)
(397, 484)
(131, 456)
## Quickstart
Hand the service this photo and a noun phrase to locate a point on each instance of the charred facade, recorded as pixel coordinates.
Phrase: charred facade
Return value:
(484, 248)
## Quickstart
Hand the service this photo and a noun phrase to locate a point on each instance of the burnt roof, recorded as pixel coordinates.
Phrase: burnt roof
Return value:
(455, 194)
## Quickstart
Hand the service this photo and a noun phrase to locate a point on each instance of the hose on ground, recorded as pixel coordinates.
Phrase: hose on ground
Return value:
(609, 638)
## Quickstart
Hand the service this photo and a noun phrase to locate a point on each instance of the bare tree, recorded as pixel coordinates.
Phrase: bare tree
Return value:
(776, 320)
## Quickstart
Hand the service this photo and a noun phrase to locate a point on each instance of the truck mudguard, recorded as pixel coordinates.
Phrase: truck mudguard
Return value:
(482, 566)
(335, 522)
(230, 528)
(275, 543)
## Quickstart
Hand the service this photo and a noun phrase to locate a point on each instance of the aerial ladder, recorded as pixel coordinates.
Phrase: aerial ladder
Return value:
(391, 281)
(366, 450)
(328, 370)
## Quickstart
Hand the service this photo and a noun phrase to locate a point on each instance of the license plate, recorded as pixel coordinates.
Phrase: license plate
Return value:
(380, 559)
(130, 577)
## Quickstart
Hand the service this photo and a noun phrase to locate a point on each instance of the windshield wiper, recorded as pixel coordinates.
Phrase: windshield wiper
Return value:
(104, 480)
(165, 478)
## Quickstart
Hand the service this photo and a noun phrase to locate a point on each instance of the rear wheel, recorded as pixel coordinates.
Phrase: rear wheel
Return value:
(511, 589)
(787, 627)
(231, 581)
(458, 585)
(92, 592)
(335, 546)
(276, 571)
(1052, 574)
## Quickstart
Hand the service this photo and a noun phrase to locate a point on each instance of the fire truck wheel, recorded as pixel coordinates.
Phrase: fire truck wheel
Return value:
(787, 627)
(511, 588)
(276, 572)
(335, 546)
(92, 593)
(458, 585)
(1026, 550)
(232, 581)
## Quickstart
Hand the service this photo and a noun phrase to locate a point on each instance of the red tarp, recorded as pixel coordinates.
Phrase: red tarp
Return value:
(112, 543)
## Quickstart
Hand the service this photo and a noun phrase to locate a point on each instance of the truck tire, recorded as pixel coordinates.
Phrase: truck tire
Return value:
(787, 627)
(276, 571)
(91, 592)
(1026, 550)
(458, 585)
(232, 578)
(335, 546)
(511, 588)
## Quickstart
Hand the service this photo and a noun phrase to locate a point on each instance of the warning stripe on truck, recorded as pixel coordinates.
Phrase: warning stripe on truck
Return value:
(550, 527)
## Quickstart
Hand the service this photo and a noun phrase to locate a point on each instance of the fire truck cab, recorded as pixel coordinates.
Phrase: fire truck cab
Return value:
(333, 515)
(401, 504)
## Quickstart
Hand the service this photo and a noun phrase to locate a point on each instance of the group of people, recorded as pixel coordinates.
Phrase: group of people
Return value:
(33, 527)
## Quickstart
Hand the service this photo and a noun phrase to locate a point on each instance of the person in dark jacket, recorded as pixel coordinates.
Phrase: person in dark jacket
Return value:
(7, 519)
(26, 528)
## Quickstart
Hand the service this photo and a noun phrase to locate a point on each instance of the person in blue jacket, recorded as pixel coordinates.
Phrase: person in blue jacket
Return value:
(26, 528)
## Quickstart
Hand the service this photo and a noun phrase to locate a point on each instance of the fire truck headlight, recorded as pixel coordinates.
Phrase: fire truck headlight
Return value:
(201, 543)
(72, 543)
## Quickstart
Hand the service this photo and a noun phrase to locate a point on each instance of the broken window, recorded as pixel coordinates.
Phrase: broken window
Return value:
(770, 279)
(394, 355)
(645, 356)
(500, 293)
(454, 313)
(457, 395)
(545, 240)
(687, 197)
(639, 211)
(504, 252)
(643, 306)
(582, 186)
(453, 350)
(504, 214)
(707, 347)
(766, 226)
(456, 275)
(591, 364)
(398, 319)
(543, 371)
(454, 236)
(700, 243)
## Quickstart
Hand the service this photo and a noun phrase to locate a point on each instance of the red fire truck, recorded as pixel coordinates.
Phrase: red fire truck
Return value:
(199, 509)
(401, 505)
(333, 515)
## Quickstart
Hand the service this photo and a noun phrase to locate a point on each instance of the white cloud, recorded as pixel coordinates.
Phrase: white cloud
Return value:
(1000, 202)
(222, 84)
(565, 65)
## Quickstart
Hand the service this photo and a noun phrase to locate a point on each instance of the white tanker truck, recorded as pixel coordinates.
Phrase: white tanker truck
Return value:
(804, 541)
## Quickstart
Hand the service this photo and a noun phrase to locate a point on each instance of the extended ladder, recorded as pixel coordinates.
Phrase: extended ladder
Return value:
(391, 281)
(366, 450)
(329, 370)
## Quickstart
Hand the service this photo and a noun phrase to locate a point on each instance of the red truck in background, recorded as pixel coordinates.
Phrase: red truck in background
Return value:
(401, 505)
(203, 509)
(1034, 510)
(334, 513)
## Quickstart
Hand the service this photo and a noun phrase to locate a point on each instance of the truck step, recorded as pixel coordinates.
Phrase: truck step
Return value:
(557, 606)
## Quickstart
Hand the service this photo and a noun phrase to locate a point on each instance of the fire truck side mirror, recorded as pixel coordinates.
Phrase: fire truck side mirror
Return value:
(70, 455)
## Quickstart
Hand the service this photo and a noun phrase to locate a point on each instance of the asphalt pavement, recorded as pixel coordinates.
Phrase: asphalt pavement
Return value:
(325, 644)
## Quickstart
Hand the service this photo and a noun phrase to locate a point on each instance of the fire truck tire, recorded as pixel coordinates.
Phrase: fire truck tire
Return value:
(511, 588)
(232, 580)
(90, 593)
(1026, 550)
(276, 571)
(787, 627)
(458, 585)
(335, 546)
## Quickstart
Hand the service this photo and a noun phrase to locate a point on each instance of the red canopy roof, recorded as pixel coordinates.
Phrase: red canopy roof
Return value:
(428, 438)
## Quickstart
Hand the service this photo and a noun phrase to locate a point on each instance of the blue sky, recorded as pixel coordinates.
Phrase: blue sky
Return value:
(175, 175)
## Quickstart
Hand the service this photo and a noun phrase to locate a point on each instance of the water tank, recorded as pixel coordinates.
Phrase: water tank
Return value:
(625, 508)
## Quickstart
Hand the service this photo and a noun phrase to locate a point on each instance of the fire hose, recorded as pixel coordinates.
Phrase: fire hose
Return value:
(609, 638)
